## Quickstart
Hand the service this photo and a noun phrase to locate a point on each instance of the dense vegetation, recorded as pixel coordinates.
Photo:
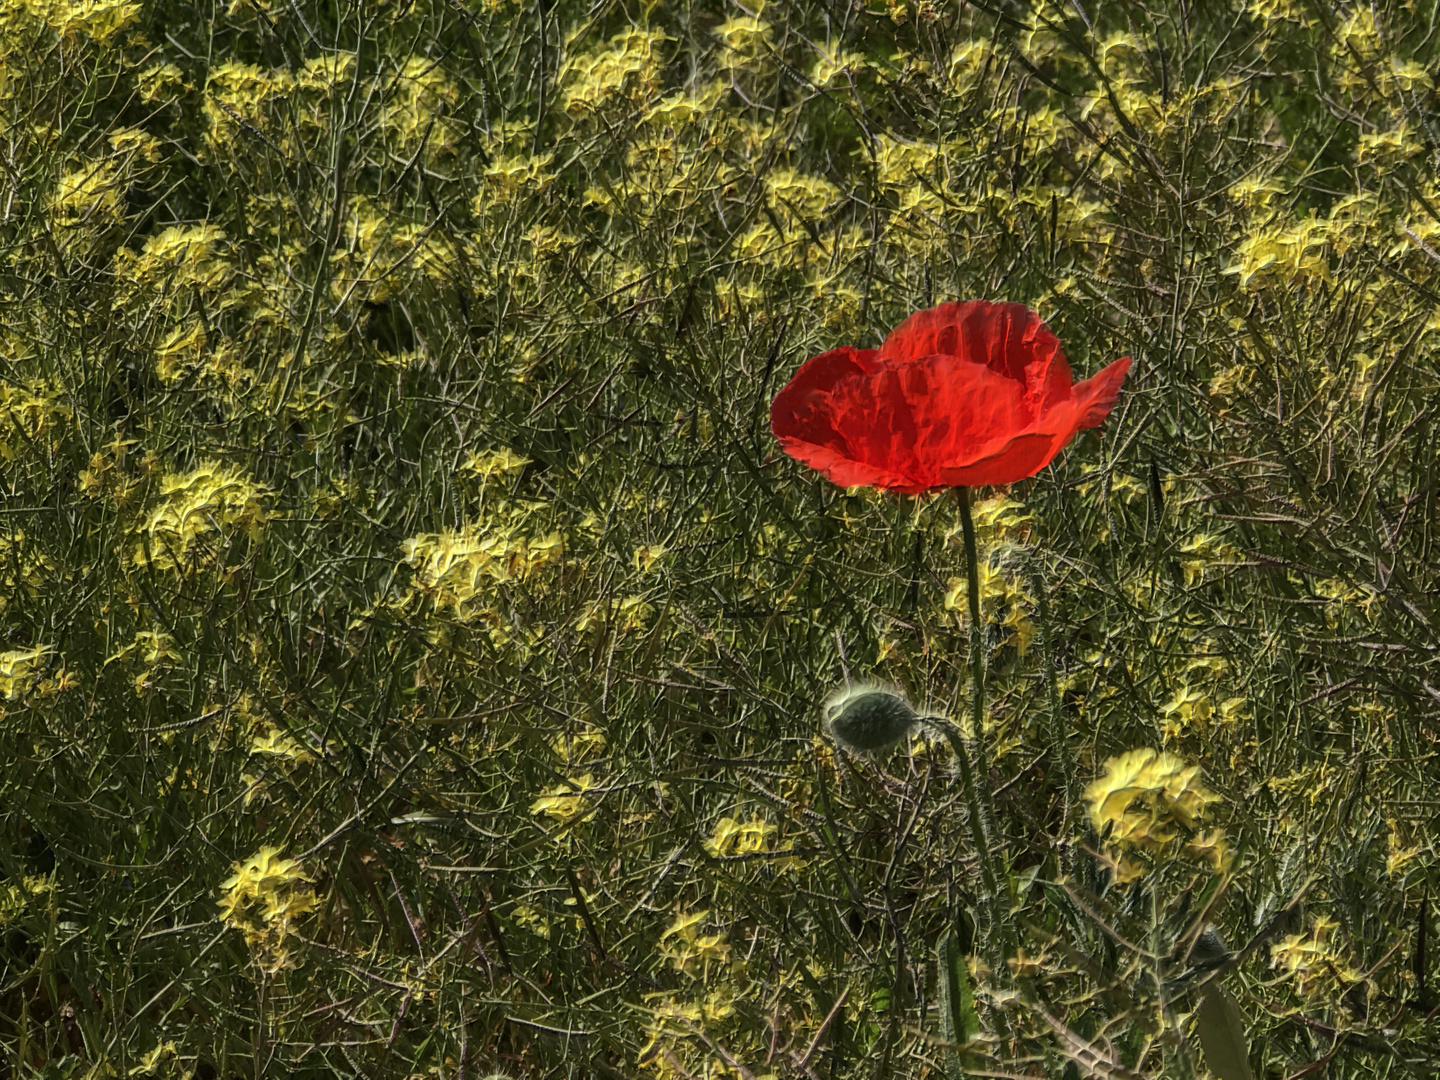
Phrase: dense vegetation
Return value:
(413, 640)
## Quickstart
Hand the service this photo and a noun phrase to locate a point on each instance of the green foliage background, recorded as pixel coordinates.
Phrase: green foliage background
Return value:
(511, 762)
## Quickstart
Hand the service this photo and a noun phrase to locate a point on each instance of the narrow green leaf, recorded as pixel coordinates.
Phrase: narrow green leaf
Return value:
(1222, 1035)
(958, 1022)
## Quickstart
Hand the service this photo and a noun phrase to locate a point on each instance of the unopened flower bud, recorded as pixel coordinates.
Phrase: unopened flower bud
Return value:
(868, 719)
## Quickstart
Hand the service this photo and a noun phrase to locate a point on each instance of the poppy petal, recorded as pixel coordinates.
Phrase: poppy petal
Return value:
(898, 426)
(1010, 339)
(1029, 452)
(1097, 394)
(911, 419)
(1014, 459)
(846, 472)
(961, 408)
(802, 412)
(969, 394)
(805, 420)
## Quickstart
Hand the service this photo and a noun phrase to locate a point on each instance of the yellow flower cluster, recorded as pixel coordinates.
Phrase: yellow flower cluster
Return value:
(628, 67)
(584, 745)
(690, 951)
(25, 566)
(1202, 552)
(1145, 800)
(16, 894)
(263, 899)
(492, 464)
(181, 256)
(154, 652)
(418, 102)
(1313, 961)
(28, 416)
(90, 194)
(237, 93)
(731, 837)
(460, 568)
(1285, 252)
(1004, 602)
(20, 670)
(199, 514)
(567, 803)
(99, 20)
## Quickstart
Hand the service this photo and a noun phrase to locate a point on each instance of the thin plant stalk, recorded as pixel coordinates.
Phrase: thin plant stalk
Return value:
(967, 780)
(1059, 746)
(980, 796)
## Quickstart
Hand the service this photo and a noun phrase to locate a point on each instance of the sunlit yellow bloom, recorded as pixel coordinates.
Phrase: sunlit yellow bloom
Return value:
(91, 195)
(263, 899)
(567, 803)
(1143, 794)
(20, 670)
(460, 568)
(100, 20)
(491, 464)
(198, 515)
(1312, 961)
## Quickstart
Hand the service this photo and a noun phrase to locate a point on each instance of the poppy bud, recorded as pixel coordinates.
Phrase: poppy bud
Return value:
(868, 719)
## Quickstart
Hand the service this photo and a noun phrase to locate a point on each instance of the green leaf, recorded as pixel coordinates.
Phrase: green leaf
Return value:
(958, 1022)
(1222, 1035)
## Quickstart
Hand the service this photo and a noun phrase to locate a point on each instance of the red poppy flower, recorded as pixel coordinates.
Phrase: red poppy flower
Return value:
(960, 395)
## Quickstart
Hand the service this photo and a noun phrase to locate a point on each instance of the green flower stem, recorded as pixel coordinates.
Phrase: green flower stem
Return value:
(981, 794)
(967, 779)
(1059, 746)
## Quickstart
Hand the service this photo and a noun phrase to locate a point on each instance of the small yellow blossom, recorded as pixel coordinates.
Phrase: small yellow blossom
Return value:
(567, 803)
(20, 670)
(1203, 551)
(459, 568)
(1312, 961)
(200, 513)
(490, 464)
(732, 837)
(690, 951)
(647, 555)
(1286, 252)
(180, 351)
(264, 898)
(1187, 707)
(1399, 854)
(100, 20)
(1144, 794)
(531, 919)
(16, 894)
(91, 194)
(586, 744)
(833, 66)
(273, 742)
(159, 81)
(744, 36)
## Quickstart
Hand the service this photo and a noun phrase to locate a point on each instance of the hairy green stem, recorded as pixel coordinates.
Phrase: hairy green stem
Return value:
(981, 796)
(1059, 745)
(967, 780)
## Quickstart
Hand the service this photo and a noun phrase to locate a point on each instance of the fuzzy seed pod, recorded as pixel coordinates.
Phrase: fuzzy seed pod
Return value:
(868, 719)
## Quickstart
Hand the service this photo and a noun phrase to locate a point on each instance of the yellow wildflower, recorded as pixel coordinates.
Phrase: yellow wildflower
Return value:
(1144, 794)
(199, 513)
(263, 899)
(490, 464)
(567, 803)
(20, 670)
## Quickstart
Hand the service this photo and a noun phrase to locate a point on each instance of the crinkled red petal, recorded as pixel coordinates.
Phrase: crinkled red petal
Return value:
(963, 394)
(1009, 339)
(1097, 394)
